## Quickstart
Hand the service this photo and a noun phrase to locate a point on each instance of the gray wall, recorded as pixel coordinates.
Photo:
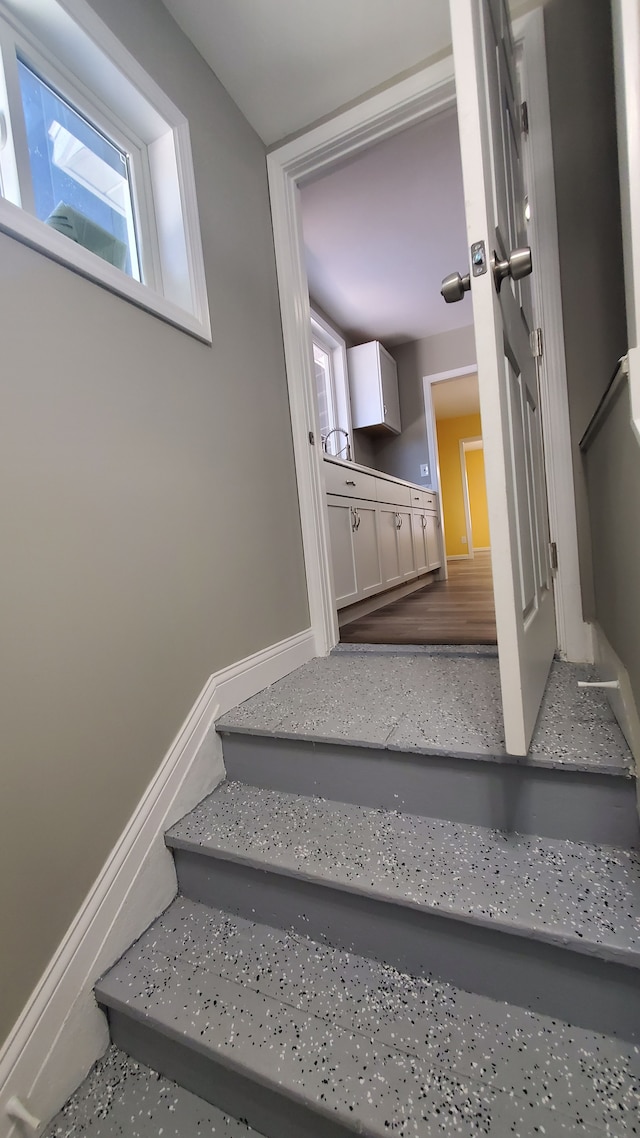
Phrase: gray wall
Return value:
(401, 455)
(613, 480)
(581, 90)
(149, 515)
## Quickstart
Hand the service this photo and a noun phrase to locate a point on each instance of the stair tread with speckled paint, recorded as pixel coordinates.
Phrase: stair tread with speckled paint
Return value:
(571, 894)
(121, 1097)
(439, 701)
(367, 1044)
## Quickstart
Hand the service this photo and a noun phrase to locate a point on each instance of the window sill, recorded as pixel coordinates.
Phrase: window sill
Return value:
(33, 232)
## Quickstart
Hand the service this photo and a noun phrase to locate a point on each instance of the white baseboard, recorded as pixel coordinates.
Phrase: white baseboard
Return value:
(61, 1031)
(459, 557)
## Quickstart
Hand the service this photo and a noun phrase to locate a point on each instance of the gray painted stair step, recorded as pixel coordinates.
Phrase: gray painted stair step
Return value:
(581, 1074)
(594, 806)
(243, 1016)
(568, 893)
(542, 923)
(434, 703)
(123, 1097)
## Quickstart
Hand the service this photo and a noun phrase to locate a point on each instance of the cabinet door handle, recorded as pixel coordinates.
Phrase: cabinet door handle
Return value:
(358, 519)
(424, 522)
(349, 482)
(353, 519)
(398, 521)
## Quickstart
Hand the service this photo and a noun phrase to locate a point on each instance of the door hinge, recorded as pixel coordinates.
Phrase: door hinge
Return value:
(524, 117)
(553, 555)
(537, 343)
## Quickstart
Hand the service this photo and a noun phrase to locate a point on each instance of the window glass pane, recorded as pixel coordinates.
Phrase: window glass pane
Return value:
(81, 180)
(323, 388)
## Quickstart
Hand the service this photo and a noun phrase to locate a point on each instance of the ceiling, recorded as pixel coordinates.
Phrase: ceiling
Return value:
(287, 63)
(455, 397)
(382, 230)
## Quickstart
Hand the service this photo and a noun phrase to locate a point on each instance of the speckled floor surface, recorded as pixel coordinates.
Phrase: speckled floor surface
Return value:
(433, 702)
(386, 1052)
(124, 1099)
(558, 891)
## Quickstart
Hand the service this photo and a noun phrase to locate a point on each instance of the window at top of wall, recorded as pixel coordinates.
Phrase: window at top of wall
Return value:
(95, 161)
(332, 388)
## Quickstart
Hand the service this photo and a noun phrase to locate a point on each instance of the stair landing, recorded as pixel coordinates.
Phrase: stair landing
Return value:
(438, 701)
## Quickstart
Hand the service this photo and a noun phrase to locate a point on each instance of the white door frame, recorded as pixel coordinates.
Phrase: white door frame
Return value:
(472, 443)
(432, 444)
(410, 101)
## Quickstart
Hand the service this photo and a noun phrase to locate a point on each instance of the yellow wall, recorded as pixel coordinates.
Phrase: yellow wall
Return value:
(450, 431)
(477, 499)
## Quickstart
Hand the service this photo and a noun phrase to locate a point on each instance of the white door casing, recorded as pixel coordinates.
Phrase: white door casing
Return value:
(489, 123)
(410, 101)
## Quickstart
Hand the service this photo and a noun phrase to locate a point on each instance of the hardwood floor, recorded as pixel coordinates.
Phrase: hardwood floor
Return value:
(457, 611)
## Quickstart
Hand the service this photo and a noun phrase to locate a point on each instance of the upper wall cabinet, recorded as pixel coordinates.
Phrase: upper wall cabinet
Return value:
(373, 381)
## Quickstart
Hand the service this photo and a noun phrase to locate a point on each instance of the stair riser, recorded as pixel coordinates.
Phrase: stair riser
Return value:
(580, 989)
(270, 1112)
(583, 807)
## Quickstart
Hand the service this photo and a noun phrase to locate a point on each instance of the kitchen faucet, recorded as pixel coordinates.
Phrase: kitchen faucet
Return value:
(337, 431)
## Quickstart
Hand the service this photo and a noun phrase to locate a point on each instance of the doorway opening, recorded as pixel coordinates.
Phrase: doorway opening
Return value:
(379, 232)
(296, 163)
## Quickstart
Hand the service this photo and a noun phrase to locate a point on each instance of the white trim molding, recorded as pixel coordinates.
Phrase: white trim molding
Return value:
(426, 93)
(61, 1031)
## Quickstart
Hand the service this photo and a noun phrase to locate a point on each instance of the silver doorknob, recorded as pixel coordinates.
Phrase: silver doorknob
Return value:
(454, 287)
(518, 265)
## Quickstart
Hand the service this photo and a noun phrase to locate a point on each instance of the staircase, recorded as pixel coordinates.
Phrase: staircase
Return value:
(386, 925)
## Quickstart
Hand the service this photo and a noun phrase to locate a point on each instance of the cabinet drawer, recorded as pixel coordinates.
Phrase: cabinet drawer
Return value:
(349, 483)
(416, 498)
(393, 492)
(429, 501)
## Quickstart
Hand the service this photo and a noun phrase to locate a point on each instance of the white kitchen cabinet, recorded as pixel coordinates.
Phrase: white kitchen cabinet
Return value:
(433, 541)
(366, 549)
(419, 534)
(355, 552)
(342, 555)
(405, 545)
(389, 552)
(383, 531)
(373, 384)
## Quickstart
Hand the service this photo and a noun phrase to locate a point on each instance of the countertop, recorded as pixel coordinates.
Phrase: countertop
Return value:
(377, 473)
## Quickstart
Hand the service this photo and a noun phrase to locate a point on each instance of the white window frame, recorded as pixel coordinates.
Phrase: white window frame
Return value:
(331, 341)
(74, 51)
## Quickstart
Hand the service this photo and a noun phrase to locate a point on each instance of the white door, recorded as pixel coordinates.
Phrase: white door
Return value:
(490, 140)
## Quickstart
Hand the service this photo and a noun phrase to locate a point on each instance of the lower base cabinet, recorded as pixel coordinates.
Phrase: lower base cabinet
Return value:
(355, 549)
(405, 545)
(376, 545)
(433, 541)
(389, 552)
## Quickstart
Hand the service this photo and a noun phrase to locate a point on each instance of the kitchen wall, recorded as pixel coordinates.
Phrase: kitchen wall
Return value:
(149, 513)
(401, 455)
(450, 432)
